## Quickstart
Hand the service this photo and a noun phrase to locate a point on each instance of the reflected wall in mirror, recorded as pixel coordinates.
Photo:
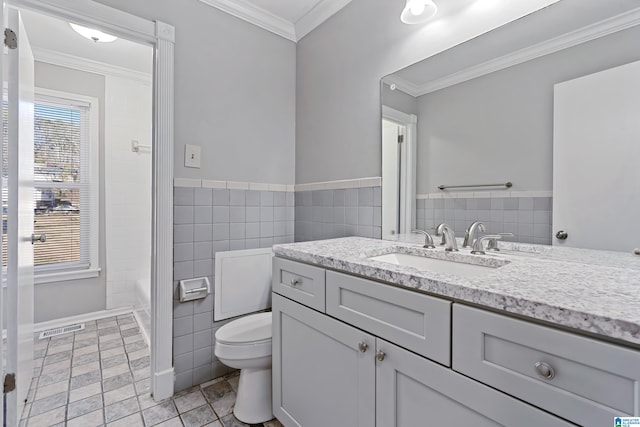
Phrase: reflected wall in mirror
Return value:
(485, 115)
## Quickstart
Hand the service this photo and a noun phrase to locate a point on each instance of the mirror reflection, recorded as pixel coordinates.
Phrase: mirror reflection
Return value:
(548, 103)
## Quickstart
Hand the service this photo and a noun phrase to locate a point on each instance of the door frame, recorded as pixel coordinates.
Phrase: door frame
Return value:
(408, 166)
(161, 36)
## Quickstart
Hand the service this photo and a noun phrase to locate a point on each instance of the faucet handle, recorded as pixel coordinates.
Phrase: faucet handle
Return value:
(478, 247)
(428, 240)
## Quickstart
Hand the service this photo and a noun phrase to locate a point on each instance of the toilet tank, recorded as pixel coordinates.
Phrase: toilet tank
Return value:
(242, 282)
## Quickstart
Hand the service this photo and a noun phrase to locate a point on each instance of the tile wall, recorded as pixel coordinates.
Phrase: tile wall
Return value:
(207, 221)
(326, 214)
(528, 218)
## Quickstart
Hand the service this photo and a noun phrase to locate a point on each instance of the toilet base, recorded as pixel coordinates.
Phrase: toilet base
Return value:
(253, 401)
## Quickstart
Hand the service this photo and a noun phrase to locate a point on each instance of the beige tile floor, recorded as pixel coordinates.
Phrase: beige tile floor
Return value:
(100, 377)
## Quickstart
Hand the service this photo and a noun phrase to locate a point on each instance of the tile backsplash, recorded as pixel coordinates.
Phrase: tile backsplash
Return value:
(326, 214)
(207, 221)
(528, 218)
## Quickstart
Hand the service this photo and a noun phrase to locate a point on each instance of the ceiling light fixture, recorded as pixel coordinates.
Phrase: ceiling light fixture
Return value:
(418, 11)
(91, 34)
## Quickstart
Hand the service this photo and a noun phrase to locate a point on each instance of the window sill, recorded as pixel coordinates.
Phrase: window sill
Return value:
(66, 275)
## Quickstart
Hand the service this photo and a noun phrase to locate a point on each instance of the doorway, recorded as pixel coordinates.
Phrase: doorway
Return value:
(398, 172)
(160, 37)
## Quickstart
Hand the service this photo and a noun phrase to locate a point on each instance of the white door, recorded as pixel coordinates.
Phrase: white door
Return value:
(390, 178)
(596, 149)
(19, 304)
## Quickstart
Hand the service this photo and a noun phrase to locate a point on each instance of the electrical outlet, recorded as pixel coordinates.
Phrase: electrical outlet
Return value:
(192, 156)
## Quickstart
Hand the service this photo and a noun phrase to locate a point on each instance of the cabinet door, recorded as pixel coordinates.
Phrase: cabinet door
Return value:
(321, 376)
(413, 391)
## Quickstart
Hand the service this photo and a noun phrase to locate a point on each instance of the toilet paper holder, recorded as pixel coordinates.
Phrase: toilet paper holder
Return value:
(192, 289)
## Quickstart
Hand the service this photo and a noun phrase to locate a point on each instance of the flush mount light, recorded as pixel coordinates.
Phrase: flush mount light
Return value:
(91, 34)
(418, 11)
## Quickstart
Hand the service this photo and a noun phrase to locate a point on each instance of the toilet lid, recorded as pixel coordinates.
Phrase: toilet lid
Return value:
(245, 330)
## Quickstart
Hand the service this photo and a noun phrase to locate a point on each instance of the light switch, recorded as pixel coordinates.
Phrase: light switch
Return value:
(192, 156)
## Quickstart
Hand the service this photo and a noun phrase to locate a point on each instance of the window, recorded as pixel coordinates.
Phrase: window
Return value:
(65, 186)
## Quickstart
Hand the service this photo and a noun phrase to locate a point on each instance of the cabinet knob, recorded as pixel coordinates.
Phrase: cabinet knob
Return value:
(562, 235)
(380, 355)
(545, 370)
(295, 282)
(363, 346)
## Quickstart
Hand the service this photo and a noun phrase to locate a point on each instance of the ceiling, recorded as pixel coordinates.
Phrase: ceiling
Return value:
(51, 37)
(291, 19)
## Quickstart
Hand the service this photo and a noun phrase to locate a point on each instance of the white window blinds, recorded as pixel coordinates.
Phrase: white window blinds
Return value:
(62, 179)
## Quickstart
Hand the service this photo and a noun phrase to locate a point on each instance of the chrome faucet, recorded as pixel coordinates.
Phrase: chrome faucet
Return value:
(428, 240)
(448, 237)
(478, 247)
(492, 243)
(440, 233)
(470, 234)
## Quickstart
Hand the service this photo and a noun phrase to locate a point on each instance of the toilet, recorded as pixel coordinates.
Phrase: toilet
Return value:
(242, 287)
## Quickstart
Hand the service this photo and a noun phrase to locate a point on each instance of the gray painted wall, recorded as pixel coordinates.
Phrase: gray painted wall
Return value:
(499, 127)
(234, 92)
(60, 299)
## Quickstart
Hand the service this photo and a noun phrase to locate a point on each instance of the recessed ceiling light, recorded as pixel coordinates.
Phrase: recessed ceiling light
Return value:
(91, 34)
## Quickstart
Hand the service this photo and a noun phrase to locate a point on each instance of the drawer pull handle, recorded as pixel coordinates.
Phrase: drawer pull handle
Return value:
(363, 347)
(545, 370)
(380, 355)
(295, 282)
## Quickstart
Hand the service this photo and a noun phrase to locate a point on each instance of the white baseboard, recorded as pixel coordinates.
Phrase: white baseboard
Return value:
(86, 317)
(143, 331)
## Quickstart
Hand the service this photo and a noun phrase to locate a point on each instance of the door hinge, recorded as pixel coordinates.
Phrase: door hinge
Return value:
(10, 38)
(400, 139)
(9, 383)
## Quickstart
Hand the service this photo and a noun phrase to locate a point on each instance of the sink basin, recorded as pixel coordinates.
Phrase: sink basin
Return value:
(436, 265)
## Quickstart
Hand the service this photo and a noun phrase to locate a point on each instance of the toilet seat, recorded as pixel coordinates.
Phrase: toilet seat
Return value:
(246, 338)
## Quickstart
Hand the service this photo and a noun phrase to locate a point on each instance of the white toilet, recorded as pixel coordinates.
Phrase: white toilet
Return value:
(242, 286)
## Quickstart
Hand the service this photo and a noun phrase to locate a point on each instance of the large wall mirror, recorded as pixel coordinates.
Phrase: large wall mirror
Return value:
(532, 128)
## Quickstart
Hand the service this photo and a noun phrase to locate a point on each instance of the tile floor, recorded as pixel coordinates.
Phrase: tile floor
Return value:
(100, 377)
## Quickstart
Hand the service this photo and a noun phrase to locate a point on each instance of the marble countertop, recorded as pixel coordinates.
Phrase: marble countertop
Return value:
(588, 290)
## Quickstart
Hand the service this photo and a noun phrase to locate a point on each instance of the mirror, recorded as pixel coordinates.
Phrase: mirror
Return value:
(480, 117)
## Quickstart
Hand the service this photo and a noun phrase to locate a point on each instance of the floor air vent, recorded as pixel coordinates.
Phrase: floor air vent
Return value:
(59, 331)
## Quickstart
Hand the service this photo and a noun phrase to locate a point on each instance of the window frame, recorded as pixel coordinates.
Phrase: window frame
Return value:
(55, 272)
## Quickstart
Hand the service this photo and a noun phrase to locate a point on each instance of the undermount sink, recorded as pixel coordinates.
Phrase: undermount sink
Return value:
(436, 265)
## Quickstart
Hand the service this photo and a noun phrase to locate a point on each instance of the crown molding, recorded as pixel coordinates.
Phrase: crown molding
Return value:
(70, 61)
(317, 15)
(262, 18)
(403, 85)
(591, 32)
(255, 15)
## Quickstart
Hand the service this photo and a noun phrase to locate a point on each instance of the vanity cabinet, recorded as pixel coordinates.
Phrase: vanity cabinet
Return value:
(321, 376)
(333, 367)
(578, 378)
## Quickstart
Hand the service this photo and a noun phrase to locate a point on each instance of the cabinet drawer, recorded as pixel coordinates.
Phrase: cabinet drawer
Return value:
(415, 321)
(299, 282)
(580, 379)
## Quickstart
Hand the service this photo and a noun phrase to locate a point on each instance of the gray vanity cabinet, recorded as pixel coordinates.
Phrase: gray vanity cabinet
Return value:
(332, 367)
(321, 375)
(413, 391)
(578, 378)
